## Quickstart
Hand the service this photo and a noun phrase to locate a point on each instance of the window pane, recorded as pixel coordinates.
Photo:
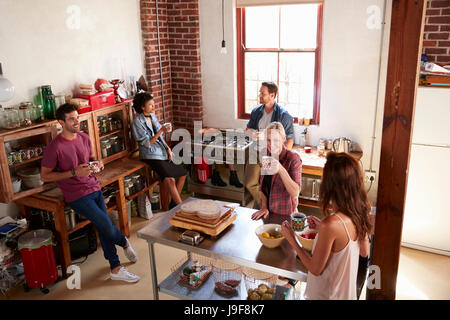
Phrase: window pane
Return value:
(259, 67)
(261, 24)
(299, 26)
(296, 87)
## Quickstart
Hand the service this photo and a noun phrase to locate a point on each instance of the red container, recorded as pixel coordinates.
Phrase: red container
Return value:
(100, 99)
(38, 257)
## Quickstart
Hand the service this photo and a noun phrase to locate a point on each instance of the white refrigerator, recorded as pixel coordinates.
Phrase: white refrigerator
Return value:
(426, 224)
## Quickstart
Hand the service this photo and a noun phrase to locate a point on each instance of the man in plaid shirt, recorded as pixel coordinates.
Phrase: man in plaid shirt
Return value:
(281, 181)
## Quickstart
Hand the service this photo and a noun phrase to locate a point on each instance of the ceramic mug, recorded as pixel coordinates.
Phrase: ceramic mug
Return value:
(298, 220)
(169, 125)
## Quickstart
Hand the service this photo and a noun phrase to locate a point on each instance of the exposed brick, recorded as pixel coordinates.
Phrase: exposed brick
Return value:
(433, 12)
(443, 59)
(440, 19)
(444, 43)
(438, 36)
(440, 4)
(435, 51)
(431, 28)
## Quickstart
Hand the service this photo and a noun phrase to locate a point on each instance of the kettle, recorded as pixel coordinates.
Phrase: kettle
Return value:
(342, 145)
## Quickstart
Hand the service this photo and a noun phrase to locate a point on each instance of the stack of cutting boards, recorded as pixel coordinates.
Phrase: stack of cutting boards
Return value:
(207, 216)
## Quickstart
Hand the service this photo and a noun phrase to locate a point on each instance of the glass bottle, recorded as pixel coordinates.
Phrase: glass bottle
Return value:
(50, 107)
(45, 91)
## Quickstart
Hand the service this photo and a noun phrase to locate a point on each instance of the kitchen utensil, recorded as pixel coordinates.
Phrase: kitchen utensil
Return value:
(342, 144)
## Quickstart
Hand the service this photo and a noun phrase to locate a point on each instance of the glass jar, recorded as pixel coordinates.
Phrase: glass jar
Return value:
(25, 114)
(11, 118)
(105, 128)
(106, 148)
(109, 121)
(114, 124)
(115, 144)
(137, 181)
(129, 187)
(38, 113)
(2, 118)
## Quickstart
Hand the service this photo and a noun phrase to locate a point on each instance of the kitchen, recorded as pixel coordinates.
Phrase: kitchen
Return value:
(99, 45)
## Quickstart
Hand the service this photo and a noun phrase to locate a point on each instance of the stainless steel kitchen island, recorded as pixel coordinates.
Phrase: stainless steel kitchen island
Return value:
(237, 244)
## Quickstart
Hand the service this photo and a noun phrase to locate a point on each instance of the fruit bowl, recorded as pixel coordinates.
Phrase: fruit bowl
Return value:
(306, 238)
(270, 235)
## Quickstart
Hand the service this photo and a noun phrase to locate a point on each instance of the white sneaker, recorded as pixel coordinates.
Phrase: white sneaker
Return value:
(130, 253)
(125, 275)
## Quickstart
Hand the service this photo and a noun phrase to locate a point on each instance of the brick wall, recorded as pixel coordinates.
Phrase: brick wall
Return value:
(180, 56)
(150, 42)
(436, 44)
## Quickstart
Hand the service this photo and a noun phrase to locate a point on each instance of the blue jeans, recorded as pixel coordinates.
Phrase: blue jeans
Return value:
(92, 207)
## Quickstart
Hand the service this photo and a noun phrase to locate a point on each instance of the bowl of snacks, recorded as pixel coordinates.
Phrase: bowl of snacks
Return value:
(259, 285)
(270, 235)
(306, 238)
(227, 278)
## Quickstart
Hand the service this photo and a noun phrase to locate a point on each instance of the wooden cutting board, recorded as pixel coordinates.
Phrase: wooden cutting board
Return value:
(212, 231)
(225, 211)
(202, 222)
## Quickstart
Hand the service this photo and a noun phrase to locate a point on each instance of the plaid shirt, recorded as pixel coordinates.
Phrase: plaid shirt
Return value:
(279, 200)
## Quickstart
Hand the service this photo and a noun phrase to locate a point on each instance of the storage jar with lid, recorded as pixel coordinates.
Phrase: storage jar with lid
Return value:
(109, 121)
(137, 181)
(11, 118)
(115, 144)
(129, 187)
(25, 114)
(154, 200)
(106, 148)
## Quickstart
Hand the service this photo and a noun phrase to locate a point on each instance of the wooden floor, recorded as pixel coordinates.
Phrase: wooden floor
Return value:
(422, 275)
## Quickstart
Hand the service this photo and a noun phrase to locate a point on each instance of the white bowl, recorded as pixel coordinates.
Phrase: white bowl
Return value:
(269, 243)
(307, 244)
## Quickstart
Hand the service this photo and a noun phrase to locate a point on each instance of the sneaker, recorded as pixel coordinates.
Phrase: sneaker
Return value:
(130, 253)
(125, 275)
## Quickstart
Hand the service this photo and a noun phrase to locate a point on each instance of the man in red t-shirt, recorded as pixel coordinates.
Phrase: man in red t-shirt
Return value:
(66, 162)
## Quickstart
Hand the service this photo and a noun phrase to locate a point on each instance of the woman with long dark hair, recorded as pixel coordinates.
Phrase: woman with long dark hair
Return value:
(342, 235)
(153, 150)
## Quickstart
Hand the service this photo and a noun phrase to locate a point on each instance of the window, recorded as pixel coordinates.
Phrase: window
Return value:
(280, 44)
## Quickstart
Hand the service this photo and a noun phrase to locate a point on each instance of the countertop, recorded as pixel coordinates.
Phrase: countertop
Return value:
(238, 244)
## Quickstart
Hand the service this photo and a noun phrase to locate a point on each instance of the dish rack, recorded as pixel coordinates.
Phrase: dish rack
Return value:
(259, 285)
(227, 278)
(201, 267)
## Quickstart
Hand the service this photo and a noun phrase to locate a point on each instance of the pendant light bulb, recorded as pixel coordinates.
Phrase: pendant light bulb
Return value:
(223, 50)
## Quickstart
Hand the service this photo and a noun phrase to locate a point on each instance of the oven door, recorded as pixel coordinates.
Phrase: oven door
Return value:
(310, 188)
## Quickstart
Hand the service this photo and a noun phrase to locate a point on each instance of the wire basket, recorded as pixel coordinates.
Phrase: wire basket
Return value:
(227, 278)
(259, 285)
(193, 272)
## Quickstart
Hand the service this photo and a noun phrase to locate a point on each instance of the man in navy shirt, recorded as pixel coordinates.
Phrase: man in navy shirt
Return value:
(260, 118)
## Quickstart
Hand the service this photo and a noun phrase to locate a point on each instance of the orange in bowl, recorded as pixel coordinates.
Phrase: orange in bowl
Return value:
(270, 235)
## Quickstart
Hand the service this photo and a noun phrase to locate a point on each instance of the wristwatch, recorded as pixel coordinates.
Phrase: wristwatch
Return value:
(73, 173)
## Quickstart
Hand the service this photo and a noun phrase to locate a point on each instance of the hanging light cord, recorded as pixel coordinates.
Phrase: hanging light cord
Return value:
(223, 25)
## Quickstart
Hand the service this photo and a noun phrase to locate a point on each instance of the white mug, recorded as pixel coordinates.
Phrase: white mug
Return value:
(169, 125)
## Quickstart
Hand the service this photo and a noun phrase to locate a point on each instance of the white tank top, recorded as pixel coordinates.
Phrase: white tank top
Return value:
(338, 279)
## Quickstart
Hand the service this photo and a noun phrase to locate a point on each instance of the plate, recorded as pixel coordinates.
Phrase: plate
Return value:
(122, 92)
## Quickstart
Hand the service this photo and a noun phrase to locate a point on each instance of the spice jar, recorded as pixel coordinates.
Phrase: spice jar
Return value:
(105, 128)
(128, 184)
(109, 121)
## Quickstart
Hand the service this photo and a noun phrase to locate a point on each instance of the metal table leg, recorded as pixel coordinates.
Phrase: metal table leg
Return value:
(151, 252)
